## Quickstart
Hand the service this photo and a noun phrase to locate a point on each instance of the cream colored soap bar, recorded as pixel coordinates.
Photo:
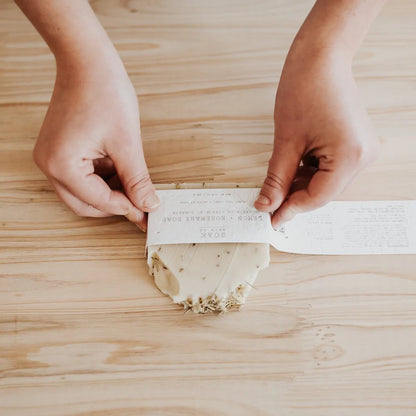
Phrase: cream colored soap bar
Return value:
(207, 277)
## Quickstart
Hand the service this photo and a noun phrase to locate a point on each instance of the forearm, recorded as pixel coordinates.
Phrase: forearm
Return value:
(71, 29)
(339, 25)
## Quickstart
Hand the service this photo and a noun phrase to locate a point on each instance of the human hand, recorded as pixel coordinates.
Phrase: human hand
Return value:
(90, 135)
(321, 124)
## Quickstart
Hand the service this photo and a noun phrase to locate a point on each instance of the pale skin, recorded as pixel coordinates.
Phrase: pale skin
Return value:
(89, 145)
(319, 117)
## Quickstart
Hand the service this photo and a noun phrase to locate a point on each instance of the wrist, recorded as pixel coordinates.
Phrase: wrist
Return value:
(336, 28)
(321, 37)
(85, 51)
(307, 54)
(89, 61)
(74, 34)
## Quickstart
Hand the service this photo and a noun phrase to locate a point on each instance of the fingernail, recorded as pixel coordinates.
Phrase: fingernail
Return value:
(140, 227)
(281, 217)
(134, 215)
(276, 224)
(151, 202)
(285, 218)
(263, 200)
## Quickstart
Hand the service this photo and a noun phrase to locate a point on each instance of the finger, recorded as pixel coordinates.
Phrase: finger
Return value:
(76, 205)
(93, 190)
(134, 175)
(104, 167)
(114, 182)
(324, 186)
(138, 218)
(310, 160)
(140, 221)
(283, 166)
(83, 209)
(302, 178)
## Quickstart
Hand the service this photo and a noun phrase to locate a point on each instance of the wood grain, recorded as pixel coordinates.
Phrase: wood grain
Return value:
(83, 330)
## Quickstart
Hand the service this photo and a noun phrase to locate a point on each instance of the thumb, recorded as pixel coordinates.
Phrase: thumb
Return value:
(134, 176)
(283, 166)
(324, 186)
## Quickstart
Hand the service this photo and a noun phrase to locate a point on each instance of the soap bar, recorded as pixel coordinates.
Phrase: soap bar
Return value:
(207, 277)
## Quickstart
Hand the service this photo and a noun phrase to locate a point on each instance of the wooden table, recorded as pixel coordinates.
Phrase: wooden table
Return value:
(83, 330)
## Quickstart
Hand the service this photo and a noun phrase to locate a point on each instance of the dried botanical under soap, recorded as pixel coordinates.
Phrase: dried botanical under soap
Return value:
(207, 277)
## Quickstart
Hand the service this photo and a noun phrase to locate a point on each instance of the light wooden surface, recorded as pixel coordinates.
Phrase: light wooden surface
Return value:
(83, 331)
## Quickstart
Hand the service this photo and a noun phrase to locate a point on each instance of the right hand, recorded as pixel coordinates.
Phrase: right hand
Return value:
(321, 121)
(90, 135)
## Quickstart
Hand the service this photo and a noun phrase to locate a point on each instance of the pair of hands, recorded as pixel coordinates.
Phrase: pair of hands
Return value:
(90, 147)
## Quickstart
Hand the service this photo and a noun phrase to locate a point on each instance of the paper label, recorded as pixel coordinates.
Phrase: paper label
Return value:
(228, 215)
